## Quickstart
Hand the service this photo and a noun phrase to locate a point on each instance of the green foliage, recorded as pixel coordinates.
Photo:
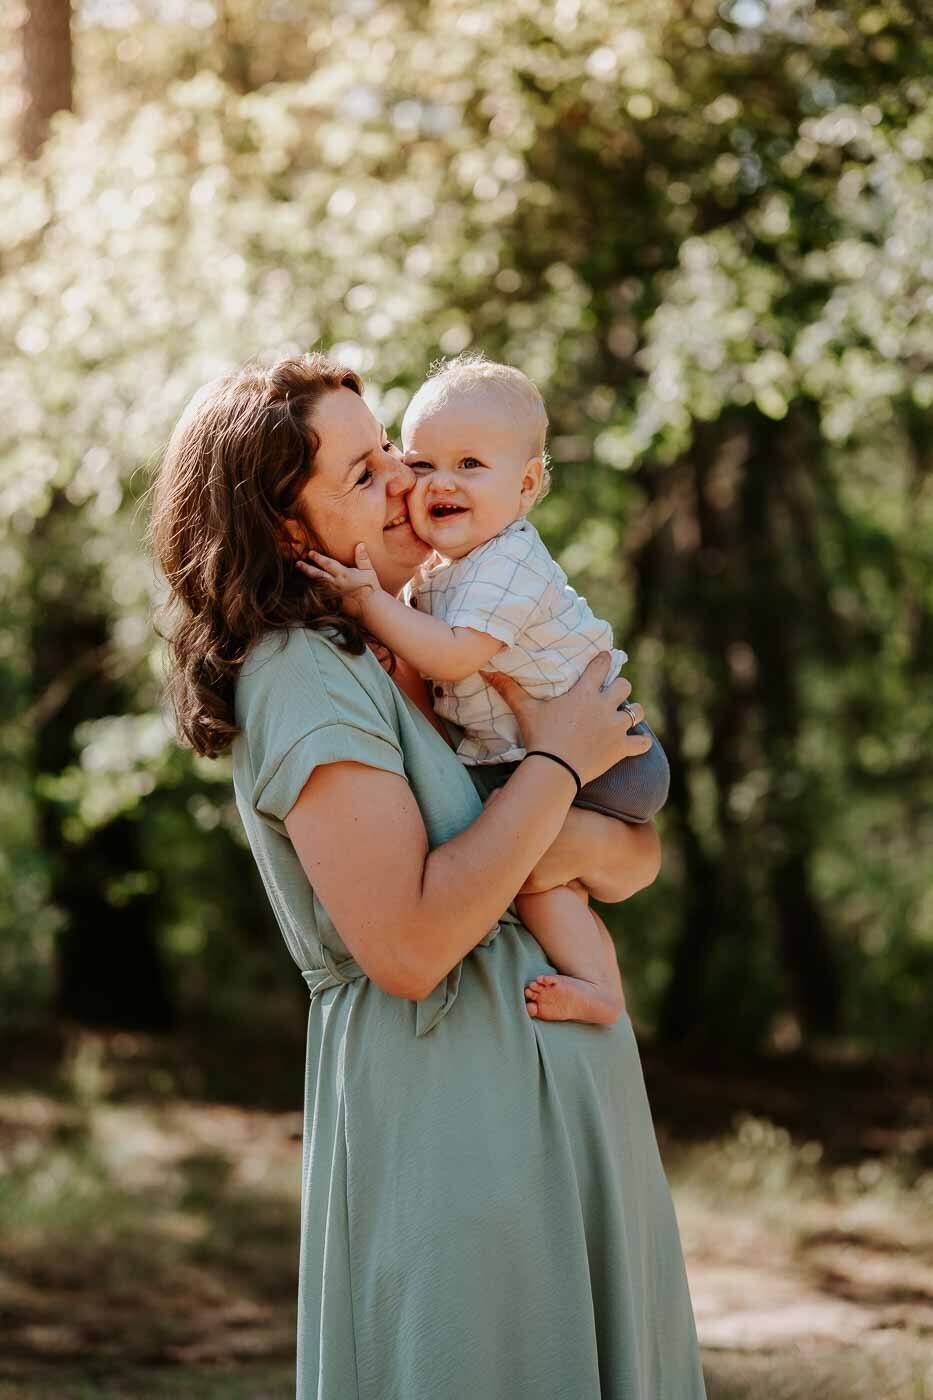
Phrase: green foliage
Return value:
(706, 234)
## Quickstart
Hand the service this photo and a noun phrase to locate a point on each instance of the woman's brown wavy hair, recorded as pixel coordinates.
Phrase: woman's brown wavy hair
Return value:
(233, 472)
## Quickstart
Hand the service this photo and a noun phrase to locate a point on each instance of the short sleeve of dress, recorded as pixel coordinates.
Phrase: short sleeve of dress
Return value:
(500, 589)
(301, 702)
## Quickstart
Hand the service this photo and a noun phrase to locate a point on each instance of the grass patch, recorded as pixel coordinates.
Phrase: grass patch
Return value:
(150, 1242)
(260, 1382)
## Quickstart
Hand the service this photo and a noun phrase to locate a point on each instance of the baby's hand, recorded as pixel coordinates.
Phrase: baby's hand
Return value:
(354, 584)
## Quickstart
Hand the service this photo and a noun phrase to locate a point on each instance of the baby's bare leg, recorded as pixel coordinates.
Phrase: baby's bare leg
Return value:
(609, 949)
(589, 987)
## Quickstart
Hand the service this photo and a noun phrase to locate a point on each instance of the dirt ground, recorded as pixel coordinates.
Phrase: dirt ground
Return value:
(149, 1197)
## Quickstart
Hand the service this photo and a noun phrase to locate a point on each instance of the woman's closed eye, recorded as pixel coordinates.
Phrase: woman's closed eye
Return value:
(367, 474)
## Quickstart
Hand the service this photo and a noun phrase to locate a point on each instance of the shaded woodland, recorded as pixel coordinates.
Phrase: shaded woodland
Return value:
(706, 233)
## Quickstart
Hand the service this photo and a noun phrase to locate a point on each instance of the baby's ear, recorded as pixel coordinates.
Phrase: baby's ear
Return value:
(532, 481)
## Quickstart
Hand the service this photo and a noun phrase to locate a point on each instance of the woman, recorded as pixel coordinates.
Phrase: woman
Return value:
(484, 1212)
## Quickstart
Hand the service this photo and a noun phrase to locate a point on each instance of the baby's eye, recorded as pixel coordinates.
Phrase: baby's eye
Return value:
(470, 463)
(421, 466)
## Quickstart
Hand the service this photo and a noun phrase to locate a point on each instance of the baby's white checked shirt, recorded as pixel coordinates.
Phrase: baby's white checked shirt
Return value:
(511, 589)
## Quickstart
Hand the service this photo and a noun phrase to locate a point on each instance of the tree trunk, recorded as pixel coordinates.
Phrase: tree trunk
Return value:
(726, 503)
(110, 970)
(701, 921)
(804, 946)
(46, 70)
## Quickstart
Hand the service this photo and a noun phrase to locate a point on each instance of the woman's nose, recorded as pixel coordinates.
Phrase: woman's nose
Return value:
(400, 478)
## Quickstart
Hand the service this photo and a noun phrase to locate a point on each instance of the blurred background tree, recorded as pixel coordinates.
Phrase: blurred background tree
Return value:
(705, 231)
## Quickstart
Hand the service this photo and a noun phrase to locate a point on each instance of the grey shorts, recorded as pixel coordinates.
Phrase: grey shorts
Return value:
(634, 789)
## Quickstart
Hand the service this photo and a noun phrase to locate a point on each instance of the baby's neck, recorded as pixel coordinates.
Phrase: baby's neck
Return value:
(519, 519)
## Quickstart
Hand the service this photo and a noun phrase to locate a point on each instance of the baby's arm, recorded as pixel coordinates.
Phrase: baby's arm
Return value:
(428, 643)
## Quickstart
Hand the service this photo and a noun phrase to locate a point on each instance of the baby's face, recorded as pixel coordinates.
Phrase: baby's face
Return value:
(473, 474)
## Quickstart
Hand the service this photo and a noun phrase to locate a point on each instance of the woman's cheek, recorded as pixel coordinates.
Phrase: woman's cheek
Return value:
(330, 533)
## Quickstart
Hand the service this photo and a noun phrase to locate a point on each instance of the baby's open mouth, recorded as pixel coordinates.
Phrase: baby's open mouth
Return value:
(441, 512)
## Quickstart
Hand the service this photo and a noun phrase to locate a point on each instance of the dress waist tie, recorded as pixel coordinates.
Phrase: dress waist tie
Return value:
(428, 1012)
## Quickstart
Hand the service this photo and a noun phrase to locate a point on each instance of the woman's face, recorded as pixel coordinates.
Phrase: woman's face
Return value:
(357, 491)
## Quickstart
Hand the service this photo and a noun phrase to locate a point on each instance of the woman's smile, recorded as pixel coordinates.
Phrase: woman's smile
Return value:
(358, 491)
(399, 518)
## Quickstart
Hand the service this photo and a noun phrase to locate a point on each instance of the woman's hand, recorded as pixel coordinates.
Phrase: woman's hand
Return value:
(354, 584)
(585, 725)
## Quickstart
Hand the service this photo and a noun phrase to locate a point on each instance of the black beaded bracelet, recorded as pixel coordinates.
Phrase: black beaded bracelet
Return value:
(543, 753)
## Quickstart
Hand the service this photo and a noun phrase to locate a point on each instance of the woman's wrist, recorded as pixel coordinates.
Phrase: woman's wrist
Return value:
(552, 783)
(561, 762)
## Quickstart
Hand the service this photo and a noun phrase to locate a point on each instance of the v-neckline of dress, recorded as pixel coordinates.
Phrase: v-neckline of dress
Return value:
(446, 738)
(444, 734)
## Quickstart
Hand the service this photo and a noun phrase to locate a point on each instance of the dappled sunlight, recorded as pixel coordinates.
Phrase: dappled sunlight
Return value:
(184, 1215)
(815, 1279)
(810, 1258)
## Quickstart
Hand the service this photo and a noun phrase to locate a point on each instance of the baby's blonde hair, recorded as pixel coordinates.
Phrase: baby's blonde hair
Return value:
(517, 393)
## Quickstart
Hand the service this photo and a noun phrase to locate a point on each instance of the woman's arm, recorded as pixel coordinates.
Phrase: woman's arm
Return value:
(612, 858)
(407, 914)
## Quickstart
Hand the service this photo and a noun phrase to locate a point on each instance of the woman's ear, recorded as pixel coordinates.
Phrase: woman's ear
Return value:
(532, 479)
(293, 538)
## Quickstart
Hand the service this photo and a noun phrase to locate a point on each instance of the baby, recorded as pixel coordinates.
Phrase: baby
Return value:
(492, 598)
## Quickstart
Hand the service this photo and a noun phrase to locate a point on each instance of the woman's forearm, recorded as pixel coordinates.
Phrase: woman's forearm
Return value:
(614, 860)
(408, 914)
(478, 873)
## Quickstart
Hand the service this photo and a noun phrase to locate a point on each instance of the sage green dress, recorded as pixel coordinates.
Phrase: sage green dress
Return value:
(484, 1211)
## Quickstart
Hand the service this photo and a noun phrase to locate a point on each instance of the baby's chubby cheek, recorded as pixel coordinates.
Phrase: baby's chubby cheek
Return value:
(421, 521)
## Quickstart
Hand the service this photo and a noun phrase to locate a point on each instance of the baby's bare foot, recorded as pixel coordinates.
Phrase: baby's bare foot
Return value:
(550, 998)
